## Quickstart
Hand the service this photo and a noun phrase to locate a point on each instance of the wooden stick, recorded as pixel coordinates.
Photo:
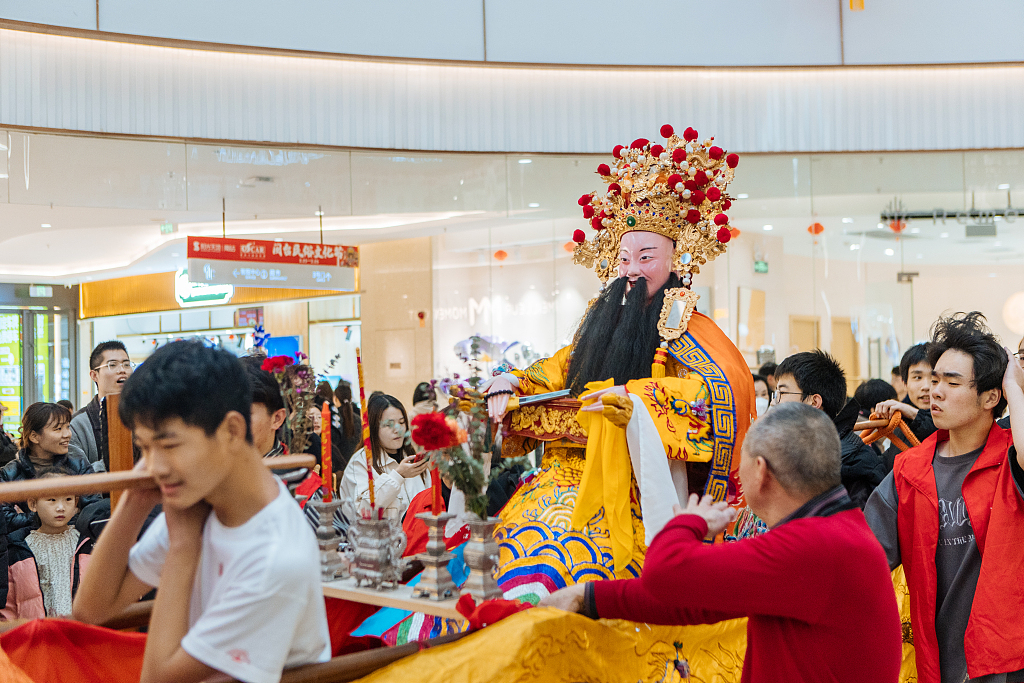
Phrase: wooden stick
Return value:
(119, 443)
(358, 664)
(870, 424)
(80, 484)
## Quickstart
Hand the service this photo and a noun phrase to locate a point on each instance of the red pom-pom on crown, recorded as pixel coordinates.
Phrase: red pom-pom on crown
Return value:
(639, 143)
(584, 200)
(588, 212)
(579, 237)
(690, 135)
(721, 219)
(697, 197)
(678, 155)
(603, 169)
(614, 188)
(716, 152)
(666, 131)
(595, 223)
(723, 235)
(714, 194)
(732, 160)
(656, 150)
(701, 178)
(617, 150)
(693, 216)
(674, 180)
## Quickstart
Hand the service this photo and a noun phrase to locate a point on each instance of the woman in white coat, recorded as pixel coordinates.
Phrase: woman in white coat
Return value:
(398, 473)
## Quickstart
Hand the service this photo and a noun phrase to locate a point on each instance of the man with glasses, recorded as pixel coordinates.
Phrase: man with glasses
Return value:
(109, 368)
(816, 378)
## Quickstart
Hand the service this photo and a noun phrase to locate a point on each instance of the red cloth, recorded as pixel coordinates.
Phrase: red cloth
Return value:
(817, 591)
(994, 641)
(489, 611)
(342, 618)
(63, 651)
(416, 529)
(308, 487)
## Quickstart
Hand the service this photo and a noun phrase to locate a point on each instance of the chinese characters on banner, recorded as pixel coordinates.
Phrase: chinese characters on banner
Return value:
(262, 263)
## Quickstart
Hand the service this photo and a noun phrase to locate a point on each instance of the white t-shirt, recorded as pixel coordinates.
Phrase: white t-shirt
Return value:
(257, 605)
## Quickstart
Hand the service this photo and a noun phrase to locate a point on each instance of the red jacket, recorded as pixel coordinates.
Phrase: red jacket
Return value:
(994, 642)
(817, 591)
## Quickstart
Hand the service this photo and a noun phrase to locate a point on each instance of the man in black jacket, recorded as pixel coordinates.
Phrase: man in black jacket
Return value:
(815, 378)
(109, 368)
(916, 372)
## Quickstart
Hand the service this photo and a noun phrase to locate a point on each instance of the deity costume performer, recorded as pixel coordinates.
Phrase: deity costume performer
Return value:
(666, 396)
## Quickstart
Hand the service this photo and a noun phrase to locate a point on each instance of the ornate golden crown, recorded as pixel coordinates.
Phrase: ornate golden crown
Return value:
(676, 190)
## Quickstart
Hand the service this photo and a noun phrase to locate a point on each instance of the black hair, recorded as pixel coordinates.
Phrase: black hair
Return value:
(185, 379)
(324, 392)
(617, 338)
(265, 389)
(872, 392)
(375, 407)
(38, 415)
(759, 378)
(918, 353)
(896, 371)
(768, 370)
(969, 333)
(343, 392)
(67, 404)
(816, 372)
(96, 357)
(801, 446)
(423, 392)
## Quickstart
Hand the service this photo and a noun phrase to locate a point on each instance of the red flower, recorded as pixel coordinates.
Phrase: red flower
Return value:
(616, 150)
(723, 235)
(614, 188)
(701, 178)
(716, 152)
(693, 216)
(697, 197)
(432, 432)
(666, 131)
(690, 134)
(578, 236)
(588, 212)
(595, 223)
(639, 143)
(584, 200)
(656, 150)
(679, 155)
(603, 169)
(714, 194)
(277, 363)
(727, 204)
(674, 180)
(721, 219)
(732, 160)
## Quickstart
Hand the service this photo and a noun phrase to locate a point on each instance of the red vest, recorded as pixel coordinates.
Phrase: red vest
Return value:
(994, 642)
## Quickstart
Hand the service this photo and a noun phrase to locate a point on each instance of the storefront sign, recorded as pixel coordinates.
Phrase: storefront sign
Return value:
(190, 294)
(260, 263)
(10, 370)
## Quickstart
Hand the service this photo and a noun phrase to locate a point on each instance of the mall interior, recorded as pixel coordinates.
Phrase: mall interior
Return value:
(445, 143)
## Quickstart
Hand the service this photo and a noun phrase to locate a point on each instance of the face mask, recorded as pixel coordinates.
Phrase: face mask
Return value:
(762, 405)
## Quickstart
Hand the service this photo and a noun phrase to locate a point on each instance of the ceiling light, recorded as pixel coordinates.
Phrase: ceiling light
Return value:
(1004, 186)
(174, 254)
(854, 247)
(742, 195)
(945, 234)
(881, 226)
(318, 213)
(915, 230)
(533, 205)
(889, 252)
(767, 227)
(526, 161)
(45, 225)
(847, 220)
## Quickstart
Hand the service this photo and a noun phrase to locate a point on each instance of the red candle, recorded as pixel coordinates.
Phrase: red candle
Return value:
(366, 430)
(435, 481)
(325, 452)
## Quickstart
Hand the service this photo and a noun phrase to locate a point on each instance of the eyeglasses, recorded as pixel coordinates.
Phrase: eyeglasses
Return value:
(776, 394)
(115, 365)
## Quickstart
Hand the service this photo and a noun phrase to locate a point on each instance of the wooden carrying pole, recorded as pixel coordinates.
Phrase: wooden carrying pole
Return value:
(119, 443)
(81, 484)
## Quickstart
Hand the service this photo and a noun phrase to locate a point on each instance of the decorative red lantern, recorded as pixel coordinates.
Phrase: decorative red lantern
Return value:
(897, 226)
(816, 228)
(501, 255)
(570, 246)
(734, 232)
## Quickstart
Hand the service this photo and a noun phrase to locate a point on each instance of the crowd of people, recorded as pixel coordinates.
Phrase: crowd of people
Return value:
(841, 515)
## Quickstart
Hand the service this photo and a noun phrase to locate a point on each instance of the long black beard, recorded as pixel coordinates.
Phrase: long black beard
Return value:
(617, 340)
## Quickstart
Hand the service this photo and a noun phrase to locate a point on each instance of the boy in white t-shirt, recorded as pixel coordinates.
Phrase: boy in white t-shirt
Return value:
(236, 564)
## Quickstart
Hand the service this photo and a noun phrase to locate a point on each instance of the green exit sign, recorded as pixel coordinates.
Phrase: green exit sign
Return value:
(760, 266)
(167, 228)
